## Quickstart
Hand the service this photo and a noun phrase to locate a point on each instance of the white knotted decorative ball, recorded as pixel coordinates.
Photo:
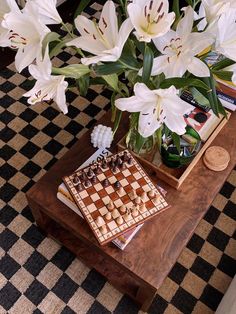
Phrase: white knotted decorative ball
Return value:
(101, 136)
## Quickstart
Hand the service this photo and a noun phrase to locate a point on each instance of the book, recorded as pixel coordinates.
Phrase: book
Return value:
(64, 196)
(203, 122)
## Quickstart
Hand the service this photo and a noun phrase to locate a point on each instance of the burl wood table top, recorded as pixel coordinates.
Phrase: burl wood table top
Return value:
(154, 250)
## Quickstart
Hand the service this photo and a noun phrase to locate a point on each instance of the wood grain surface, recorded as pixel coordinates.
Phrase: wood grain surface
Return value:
(154, 250)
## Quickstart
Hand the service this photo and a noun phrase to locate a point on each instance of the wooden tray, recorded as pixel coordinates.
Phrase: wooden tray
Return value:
(173, 176)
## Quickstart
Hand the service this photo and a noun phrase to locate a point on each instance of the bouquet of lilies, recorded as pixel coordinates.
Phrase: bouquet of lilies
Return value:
(144, 51)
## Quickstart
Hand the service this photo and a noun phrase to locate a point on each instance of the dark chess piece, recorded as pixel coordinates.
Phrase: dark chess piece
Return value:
(130, 161)
(90, 173)
(125, 156)
(104, 164)
(94, 179)
(117, 184)
(87, 183)
(97, 170)
(79, 187)
(83, 176)
(114, 169)
(119, 162)
(76, 180)
(105, 183)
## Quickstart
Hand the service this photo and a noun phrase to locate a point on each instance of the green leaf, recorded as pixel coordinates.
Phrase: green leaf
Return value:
(175, 8)
(147, 64)
(112, 80)
(139, 142)
(222, 64)
(216, 105)
(223, 75)
(82, 5)
(74, 70)
(184, 83)
(192, 132)
(108, 68)
(113, 107)
(50, 37)
(199, 97)
(176, 140)
(117, 120)
(83, 83)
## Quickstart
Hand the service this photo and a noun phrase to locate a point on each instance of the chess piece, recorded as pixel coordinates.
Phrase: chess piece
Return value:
(130, 161)
(79, 187)
(137, 200)
(110, 205)
(125, 156)
(142, 208)
(117, 184)
(98, 170)
(133, 194)
(90, 173)
(119, 220)
(118, 161)
(103, 229)
(108, 216)
(122, 166)
(105, 183)
(135, 212)
(83, 176)
(121, 190)
(127, 216)
(104, 164)
(99, 221)
(151, 194)
(156, 199)
(87, 183)
(114, 169)
(122, 209)
(76, 180)
(94, 179)
(115, 213)
(144, 197)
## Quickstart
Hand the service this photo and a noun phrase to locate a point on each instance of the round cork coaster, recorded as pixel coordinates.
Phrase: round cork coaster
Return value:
(216, 158)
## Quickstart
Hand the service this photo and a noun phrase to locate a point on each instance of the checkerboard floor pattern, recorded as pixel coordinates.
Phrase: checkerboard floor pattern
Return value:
(37, 275)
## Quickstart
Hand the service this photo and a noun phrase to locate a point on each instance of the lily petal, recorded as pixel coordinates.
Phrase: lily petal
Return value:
(108, 23)
(60, 97)
(198, 68)
(25, 56)
(46, 9)
(148, 122)
(185, 25)
(131, 104)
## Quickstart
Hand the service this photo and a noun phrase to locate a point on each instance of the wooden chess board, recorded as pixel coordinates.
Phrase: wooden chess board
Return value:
(120, 196)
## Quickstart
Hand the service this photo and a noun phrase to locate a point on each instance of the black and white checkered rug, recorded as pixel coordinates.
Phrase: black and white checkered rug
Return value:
(37, 275)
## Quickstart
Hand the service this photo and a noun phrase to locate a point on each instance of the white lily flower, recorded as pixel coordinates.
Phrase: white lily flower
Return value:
(102, 39)
(226, 34)
(232, 68)
(47, 86)
(150, 18)
(46, 9)
(180, 48)
(156, 107)
(26, 34)
(6, 6)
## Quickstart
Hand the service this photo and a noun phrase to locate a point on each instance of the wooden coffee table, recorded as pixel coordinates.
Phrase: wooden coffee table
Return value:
(140, 269)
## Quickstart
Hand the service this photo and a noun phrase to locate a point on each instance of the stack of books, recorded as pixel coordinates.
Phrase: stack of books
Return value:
(226, 90)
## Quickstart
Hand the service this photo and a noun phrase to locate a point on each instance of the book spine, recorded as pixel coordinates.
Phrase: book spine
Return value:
(227, 98)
